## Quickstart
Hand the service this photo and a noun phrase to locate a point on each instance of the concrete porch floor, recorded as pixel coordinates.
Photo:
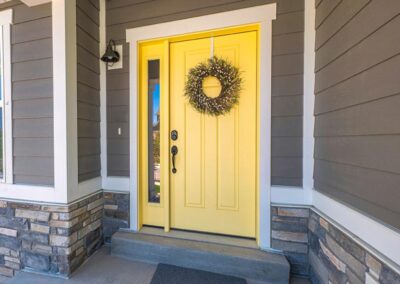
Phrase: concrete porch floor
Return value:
(103, 268)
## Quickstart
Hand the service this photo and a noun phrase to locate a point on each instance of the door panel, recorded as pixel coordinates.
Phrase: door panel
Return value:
(214, 189)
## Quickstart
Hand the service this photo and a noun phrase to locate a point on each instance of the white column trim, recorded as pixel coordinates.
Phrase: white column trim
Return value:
(265, 124)
(262, 15)
(308, 103)
(65, 99)
(6, 18)
(103, 93)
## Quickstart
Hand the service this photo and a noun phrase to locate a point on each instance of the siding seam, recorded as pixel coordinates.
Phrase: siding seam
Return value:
(355, 105)
(86, 14)
(327, 16)
(355, 74)
(344, 24)
(355, 166)
(356, 43)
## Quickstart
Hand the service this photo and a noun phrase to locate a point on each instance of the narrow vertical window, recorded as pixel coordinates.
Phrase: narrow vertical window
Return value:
(154, 130)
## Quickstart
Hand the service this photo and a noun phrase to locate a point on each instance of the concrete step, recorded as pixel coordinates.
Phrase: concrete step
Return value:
(248, 263)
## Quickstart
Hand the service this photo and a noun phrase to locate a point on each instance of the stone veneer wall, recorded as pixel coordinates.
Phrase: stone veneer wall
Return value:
(336, 258)
(116, 213)
(290, 234)
(318, 249)
(47, 238)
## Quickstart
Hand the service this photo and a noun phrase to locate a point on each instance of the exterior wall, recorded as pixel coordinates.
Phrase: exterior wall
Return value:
(88, 96)
(32, 93)
(290, 235)
(335, 257)
(52, 239)
(116, 213)
(357, 102)
(317, 248)
(287, 81)
(287, 94)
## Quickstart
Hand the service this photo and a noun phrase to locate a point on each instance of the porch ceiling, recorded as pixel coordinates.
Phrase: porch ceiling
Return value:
(29, 2)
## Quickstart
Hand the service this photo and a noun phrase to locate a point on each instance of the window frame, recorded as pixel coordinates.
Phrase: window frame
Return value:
(6, 100)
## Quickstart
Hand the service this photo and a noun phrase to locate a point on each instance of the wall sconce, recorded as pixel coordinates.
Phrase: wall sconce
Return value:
(111, 55)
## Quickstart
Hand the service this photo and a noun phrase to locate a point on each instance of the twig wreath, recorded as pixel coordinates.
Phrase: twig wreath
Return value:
(229, 78)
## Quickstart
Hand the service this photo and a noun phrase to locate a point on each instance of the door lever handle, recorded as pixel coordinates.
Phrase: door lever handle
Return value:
(174, 152)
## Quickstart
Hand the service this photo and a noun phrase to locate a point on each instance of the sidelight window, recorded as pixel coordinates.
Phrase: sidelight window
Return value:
(154, 130)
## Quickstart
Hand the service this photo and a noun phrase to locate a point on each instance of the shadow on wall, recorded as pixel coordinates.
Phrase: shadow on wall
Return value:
(116, 213)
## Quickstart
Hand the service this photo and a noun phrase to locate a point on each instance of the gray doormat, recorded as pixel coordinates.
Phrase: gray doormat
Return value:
(170, 274)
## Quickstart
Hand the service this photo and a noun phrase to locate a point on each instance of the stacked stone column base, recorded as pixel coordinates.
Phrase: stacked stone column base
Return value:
(52, 239)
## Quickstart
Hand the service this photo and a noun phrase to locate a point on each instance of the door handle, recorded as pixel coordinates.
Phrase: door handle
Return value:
(174, 152)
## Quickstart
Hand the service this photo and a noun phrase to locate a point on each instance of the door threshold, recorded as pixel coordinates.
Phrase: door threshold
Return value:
(201, 237)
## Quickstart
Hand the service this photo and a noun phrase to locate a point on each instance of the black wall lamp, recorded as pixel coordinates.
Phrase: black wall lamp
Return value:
(111, 55)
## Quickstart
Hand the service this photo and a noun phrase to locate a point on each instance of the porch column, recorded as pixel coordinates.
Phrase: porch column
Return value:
(65, 99)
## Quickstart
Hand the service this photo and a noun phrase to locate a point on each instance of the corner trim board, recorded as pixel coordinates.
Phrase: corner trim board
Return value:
(6, 19)
(308, 97)
(65, 99)
(103, 93)
(262, 15)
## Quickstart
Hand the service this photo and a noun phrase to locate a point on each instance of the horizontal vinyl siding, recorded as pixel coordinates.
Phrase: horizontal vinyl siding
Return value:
(357, 123)
(287, 96)
(89, 164)
(287, 80)
(32, 94)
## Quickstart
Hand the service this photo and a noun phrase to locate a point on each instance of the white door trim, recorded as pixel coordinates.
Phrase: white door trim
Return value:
(262, 15)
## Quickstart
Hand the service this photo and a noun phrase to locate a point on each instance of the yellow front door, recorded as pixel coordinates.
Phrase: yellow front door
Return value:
(214, 188)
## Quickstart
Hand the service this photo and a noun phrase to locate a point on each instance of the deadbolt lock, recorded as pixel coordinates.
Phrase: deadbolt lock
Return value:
(174, 135)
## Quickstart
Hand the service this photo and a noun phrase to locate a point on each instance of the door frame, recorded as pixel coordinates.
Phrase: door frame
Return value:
(261, 15)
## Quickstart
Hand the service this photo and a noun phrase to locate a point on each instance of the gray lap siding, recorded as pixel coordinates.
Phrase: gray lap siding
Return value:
(32, 93)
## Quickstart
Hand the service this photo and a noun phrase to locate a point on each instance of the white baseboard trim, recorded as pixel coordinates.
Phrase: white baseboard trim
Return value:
(290, 195)
(115, 184)
(116, 191)
(29, 193)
